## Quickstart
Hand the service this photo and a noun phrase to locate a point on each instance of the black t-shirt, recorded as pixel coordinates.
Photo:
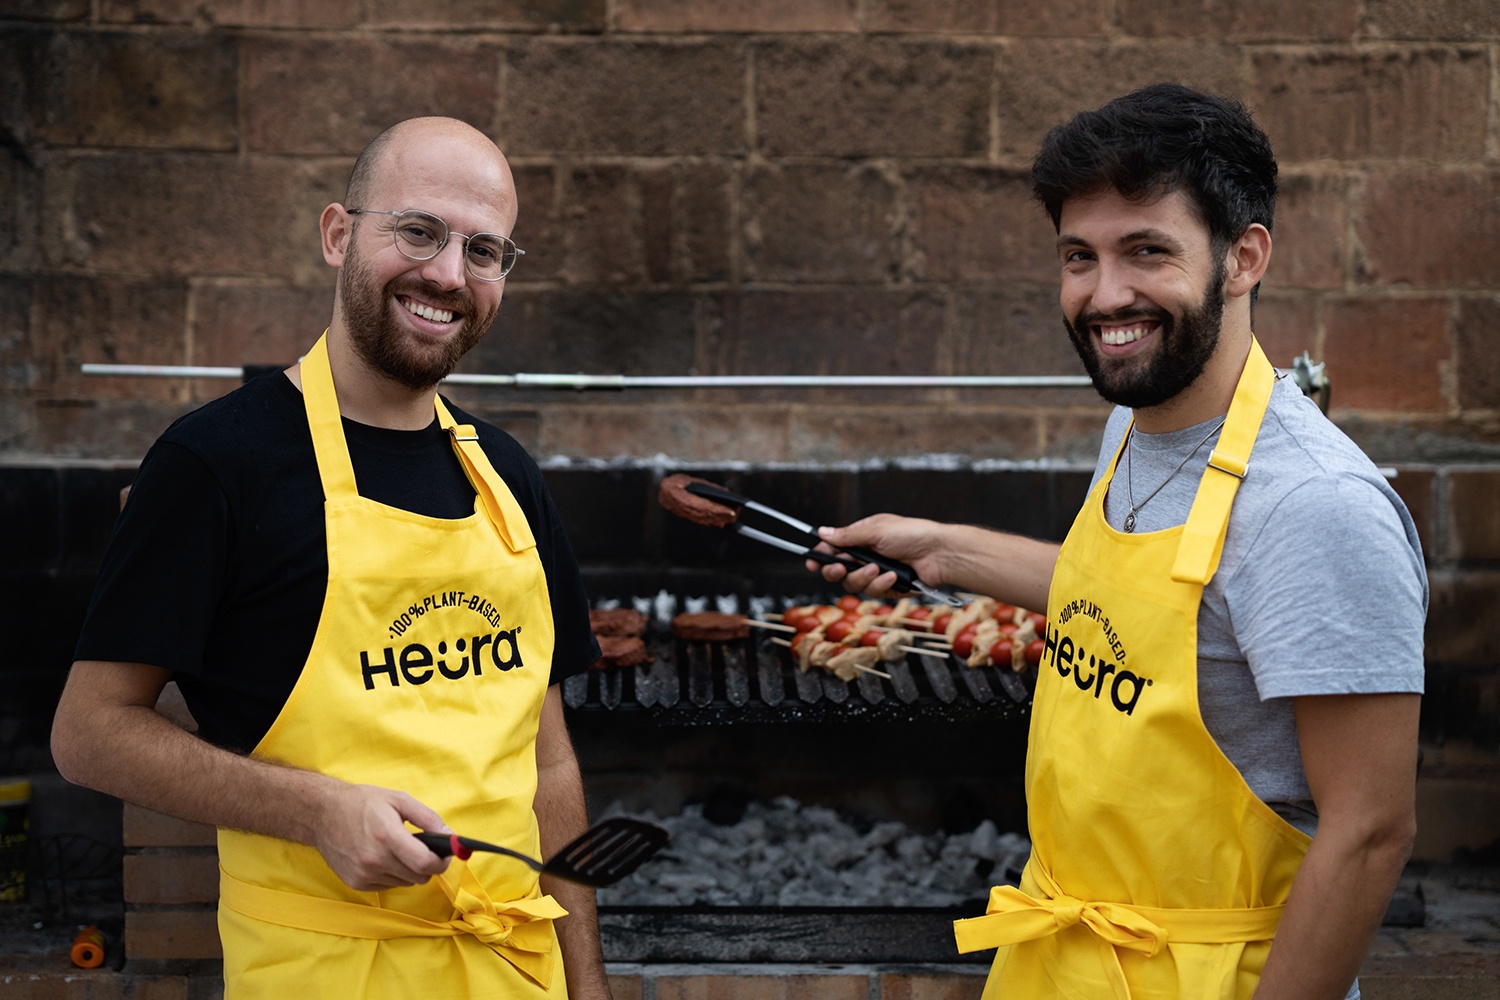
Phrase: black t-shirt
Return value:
(218, 565)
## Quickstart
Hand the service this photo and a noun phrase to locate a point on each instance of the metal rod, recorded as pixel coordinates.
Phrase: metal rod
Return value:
(578, 381)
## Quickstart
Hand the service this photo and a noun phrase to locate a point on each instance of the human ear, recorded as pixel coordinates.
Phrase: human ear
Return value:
(1246, 260)
(336, 228)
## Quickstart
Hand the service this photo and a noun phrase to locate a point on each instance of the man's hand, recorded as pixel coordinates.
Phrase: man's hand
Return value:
(363, 838)
(908, 539)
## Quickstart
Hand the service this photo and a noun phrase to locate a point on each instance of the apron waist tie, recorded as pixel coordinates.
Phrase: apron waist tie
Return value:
(519, 931)
(1012, 917)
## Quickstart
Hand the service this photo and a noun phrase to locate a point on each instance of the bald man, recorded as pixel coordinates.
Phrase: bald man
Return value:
(367, 600)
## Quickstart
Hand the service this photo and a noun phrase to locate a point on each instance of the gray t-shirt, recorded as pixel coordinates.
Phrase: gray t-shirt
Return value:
(1321, 588)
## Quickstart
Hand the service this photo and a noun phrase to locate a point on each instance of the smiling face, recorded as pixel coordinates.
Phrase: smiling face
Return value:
(411, 321)
(1142, 294)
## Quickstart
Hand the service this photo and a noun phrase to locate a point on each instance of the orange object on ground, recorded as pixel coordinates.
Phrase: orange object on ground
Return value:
(88, 948)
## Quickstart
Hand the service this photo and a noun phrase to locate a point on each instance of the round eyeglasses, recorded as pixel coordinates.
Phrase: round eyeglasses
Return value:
(422, 236)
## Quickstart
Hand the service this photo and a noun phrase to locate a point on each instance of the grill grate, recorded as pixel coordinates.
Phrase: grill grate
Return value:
(753, 680)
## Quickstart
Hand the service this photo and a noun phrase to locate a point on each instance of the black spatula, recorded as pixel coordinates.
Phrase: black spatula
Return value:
(600, 856)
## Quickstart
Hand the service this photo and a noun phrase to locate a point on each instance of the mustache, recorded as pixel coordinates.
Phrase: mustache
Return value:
(1088, 319)
(454, 302)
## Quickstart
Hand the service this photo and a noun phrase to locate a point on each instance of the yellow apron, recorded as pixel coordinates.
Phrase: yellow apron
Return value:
(427, 675)
(1155, 871)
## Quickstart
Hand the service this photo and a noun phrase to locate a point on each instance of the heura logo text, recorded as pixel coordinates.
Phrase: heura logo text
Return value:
(1090, 672)
(417, 664)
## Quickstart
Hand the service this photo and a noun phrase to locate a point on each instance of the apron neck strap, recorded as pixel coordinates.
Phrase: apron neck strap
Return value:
(1202, 541)
(322, 403)
(499, 503)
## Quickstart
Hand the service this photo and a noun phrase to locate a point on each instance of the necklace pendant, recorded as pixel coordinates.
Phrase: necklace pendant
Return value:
(1129, 522)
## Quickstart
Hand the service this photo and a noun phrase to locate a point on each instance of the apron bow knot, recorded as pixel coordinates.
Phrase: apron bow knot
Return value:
(520, 931)
(1012, 916)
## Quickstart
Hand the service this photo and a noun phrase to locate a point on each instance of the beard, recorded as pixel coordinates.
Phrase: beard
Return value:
(1187, 343)
(379, 338)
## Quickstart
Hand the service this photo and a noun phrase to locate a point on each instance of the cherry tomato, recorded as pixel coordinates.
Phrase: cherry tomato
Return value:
(791, 616)
(940, 623)
(797, 641)
(963, 643)
(1038, 622)
(1005, 613)
(885, 609)
(1000, 653)
(920, 614)
(839, 630)
(1009, 629)
(848, 602)
(871, 638)
(807, 623)
(1034, 650)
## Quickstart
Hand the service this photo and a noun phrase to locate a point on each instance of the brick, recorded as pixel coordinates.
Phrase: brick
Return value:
(772, 986)
(834, 332)
(223, 214)
(685, 16)
(1474, 516)
(48, 10)
(172, 933)
(236, 13)
(1416, 488)
(1478, 364)
(604, 331)
(1455, 20)
(581, 97)
(1388, 104)
(626, 986)
(1331, 20)
(706, 431)
(685, 212)
(539, 227)
(108, 321)
(147, 828)
(848, 434)
(1286, 326)
(1013, 330)
(1408, 221)
(171, 878)
(979, 224)
(810, 223)
(237, 324)
(602, 241)
(21, 363)
(114, 430)
(989, 17)
(1310, 241)
(362, 85)
(1460, 617)
(873, 98)
(20, 204)
(1388, 353)
(1043, 82)
(1456, 815)
(953, 985)
(163, 90)
(502, 15)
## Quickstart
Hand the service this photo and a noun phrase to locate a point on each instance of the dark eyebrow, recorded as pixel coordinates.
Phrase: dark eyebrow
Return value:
(1066, 240)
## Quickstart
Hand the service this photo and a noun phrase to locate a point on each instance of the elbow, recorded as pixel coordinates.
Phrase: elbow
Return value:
(67, 756)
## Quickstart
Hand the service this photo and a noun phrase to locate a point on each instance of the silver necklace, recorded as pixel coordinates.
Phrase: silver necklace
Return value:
(1130, 493)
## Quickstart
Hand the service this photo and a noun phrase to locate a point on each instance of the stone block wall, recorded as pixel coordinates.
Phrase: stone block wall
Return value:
(707, 187)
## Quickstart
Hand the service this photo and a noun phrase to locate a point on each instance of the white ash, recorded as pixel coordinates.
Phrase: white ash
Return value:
(786, 854)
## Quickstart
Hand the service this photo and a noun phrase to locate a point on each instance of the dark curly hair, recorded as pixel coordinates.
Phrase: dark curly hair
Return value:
(1160, 139)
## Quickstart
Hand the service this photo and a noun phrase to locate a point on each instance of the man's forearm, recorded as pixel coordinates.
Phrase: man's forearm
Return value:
(1010, 567)
(1336, 905)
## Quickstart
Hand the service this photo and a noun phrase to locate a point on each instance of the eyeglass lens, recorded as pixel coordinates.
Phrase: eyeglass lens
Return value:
(487, 255)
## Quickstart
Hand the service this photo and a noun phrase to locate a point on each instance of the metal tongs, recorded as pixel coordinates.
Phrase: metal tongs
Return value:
(600, 856)
(906, 577)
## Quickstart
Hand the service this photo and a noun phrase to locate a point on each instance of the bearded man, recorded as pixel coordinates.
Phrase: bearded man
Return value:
(1221, 765)
(368, 601)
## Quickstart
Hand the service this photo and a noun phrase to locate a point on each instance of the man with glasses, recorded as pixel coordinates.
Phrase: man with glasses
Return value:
(367, 600)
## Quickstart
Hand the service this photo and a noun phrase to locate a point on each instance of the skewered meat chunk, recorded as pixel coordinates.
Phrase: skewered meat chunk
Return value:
(675, 498)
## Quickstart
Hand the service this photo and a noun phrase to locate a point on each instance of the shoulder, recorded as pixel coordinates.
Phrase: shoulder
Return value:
(260, 414)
